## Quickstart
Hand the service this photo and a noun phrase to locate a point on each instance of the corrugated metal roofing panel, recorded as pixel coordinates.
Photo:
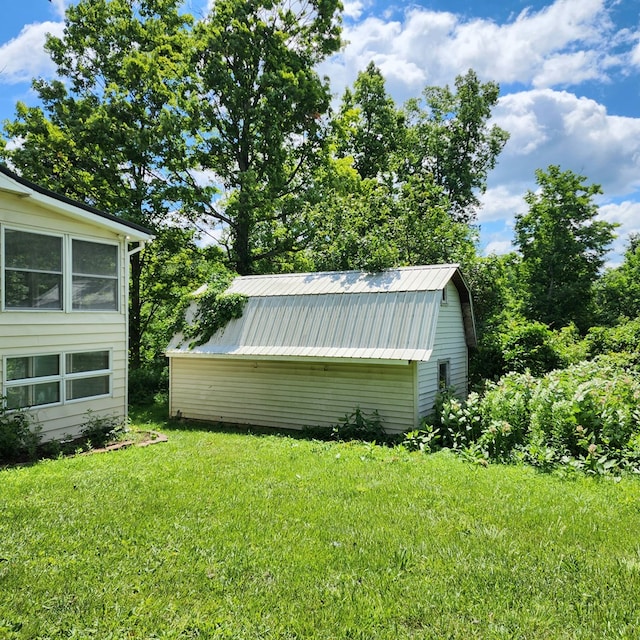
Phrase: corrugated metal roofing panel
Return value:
(375, 325)
(422, 278)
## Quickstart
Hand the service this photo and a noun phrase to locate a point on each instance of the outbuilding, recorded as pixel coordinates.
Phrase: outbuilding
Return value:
(64, 306)
(310, 348)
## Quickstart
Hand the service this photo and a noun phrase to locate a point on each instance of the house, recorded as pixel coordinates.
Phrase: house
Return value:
(310, 348)
(63, 309)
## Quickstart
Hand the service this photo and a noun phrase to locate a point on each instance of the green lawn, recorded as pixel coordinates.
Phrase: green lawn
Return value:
(226, 535)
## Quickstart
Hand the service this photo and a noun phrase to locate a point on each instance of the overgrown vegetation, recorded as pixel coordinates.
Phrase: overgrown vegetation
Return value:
(214, 309)
(585, 417)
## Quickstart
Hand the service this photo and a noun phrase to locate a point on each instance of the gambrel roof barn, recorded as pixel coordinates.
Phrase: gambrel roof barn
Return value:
(311, 347)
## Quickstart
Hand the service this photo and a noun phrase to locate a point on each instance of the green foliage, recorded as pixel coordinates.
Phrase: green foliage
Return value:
(586, 416)
(214, 309)
(623, 338)
(360, 425)
(449, 140)
(98, 430)
(618, 291)
(562, 245)
(528, 346)
(19, 435)
(255, 105)
(145, 383)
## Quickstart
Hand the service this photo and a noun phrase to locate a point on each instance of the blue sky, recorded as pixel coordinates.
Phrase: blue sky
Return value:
(569, 73)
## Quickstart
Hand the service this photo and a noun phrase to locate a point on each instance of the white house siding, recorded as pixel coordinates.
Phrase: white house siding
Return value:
(450, 344)
(35, 332)
(290, 394)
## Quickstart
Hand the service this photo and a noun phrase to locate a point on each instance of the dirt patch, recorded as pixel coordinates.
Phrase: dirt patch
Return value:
(143, 439)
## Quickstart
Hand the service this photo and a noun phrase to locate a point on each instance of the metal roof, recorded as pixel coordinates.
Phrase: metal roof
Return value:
(422, 278)
(390, 316)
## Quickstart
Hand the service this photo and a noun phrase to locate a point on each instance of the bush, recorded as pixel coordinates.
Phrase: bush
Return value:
(360, 426)
(97, 431)
(146, 382)
(19, 435)
(586, 416)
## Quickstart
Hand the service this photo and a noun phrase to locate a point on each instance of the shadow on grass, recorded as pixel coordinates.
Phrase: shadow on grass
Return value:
(157, 414)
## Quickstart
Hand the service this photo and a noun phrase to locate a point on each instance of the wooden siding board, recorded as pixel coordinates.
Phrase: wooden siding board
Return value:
(450, 344)
(24, 333)
(288, 394)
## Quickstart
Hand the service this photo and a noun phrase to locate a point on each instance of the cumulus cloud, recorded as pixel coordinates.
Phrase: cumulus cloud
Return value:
(563, 44)
(627, 215)
(24, 57)
(557, 127)
(353, 9)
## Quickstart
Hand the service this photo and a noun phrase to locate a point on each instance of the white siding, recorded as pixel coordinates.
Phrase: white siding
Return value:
(276, 393)
(450, 344)
(28, 333)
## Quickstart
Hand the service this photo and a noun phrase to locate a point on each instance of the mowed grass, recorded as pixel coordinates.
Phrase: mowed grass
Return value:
(227, 535)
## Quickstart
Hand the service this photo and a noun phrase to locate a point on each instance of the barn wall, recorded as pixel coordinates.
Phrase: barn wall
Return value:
(291, 394)
(42, 332)
(450, 345)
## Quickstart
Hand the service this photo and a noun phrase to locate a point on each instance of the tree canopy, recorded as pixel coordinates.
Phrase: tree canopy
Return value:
(562, 247)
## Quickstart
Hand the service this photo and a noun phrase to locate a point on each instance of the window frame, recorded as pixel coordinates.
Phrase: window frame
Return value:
(67, 273)
(3, 265)
(62, 377)
(446, 363)
(115, 277)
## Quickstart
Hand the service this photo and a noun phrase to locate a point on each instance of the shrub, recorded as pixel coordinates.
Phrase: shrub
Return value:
(146, 382)
(99, 430)
(529, 346)
(360, 426)
(586, 416)
(19, 435)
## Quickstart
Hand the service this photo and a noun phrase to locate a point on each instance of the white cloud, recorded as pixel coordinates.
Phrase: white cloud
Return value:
(353, 9)
(24, 57)
(635, 55)
(60, 7)
(563, 44)
(502, 202)
(498, 247)
(627, 215)
(557, 127)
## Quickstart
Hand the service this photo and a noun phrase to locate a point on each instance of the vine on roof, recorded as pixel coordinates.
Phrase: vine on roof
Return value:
(215, 309)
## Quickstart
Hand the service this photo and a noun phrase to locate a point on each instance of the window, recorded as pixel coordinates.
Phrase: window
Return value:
(79, 382)
(444, 295)
(32, 271)
(443, 374)
(49, 272)
(95, 276)
(32, 381)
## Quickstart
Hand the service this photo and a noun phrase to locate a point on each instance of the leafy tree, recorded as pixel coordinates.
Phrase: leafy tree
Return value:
(256, 105)
(101, 131)
(618, 291)
(369, 127)
(449, 140)
(562, 248)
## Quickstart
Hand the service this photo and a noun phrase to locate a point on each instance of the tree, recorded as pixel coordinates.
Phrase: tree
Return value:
(256, 106)
(562, 248)
(450, 141)
(369, 127)
(618, 291)
(101, 131)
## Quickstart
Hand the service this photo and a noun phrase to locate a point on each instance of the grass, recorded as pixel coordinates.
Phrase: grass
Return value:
(222, 534)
